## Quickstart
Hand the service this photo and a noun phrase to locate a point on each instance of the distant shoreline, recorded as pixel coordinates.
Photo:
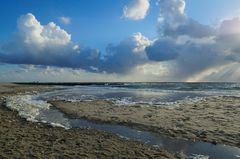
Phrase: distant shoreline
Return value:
(113, 83)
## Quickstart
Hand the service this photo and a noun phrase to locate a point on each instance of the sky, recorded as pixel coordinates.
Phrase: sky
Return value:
(120, 40)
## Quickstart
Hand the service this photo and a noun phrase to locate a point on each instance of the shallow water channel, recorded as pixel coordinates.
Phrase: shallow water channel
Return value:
(194, 150)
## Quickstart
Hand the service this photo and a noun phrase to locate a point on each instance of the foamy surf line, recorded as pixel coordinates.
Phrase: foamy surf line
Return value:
(128, 96)
(124, 100)
(32, 109)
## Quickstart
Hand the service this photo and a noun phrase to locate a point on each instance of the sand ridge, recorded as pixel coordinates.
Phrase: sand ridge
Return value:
(214, 120)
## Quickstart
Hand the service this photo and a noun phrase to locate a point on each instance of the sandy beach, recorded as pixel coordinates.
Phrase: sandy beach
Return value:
(215, 120)
(22, 139)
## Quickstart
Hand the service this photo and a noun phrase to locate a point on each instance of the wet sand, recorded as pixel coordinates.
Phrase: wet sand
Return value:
(22, 139)
(215, 120)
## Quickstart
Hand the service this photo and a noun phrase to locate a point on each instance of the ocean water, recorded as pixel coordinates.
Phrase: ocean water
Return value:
(163, 94)
(34, 107)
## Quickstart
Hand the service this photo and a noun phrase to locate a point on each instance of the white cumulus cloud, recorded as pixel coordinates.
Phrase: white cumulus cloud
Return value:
(33, 33)
(172, 12)
(136, 9)
(129, 53)
(49, 45)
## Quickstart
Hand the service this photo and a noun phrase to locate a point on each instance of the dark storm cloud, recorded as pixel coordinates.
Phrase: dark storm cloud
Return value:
(162, 50)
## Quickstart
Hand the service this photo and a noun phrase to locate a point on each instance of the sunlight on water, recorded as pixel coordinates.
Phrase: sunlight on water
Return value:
(145, 93)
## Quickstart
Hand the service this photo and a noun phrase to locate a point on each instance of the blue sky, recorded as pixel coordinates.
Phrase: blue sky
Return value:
(95, 24)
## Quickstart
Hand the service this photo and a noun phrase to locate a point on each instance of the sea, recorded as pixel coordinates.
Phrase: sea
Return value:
(161, 94)
(35, 108)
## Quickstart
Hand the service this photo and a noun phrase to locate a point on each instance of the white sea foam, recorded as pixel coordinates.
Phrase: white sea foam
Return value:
(59, 125)
(35, 110)
(27, 106)
(124, 101)
(197, 156)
